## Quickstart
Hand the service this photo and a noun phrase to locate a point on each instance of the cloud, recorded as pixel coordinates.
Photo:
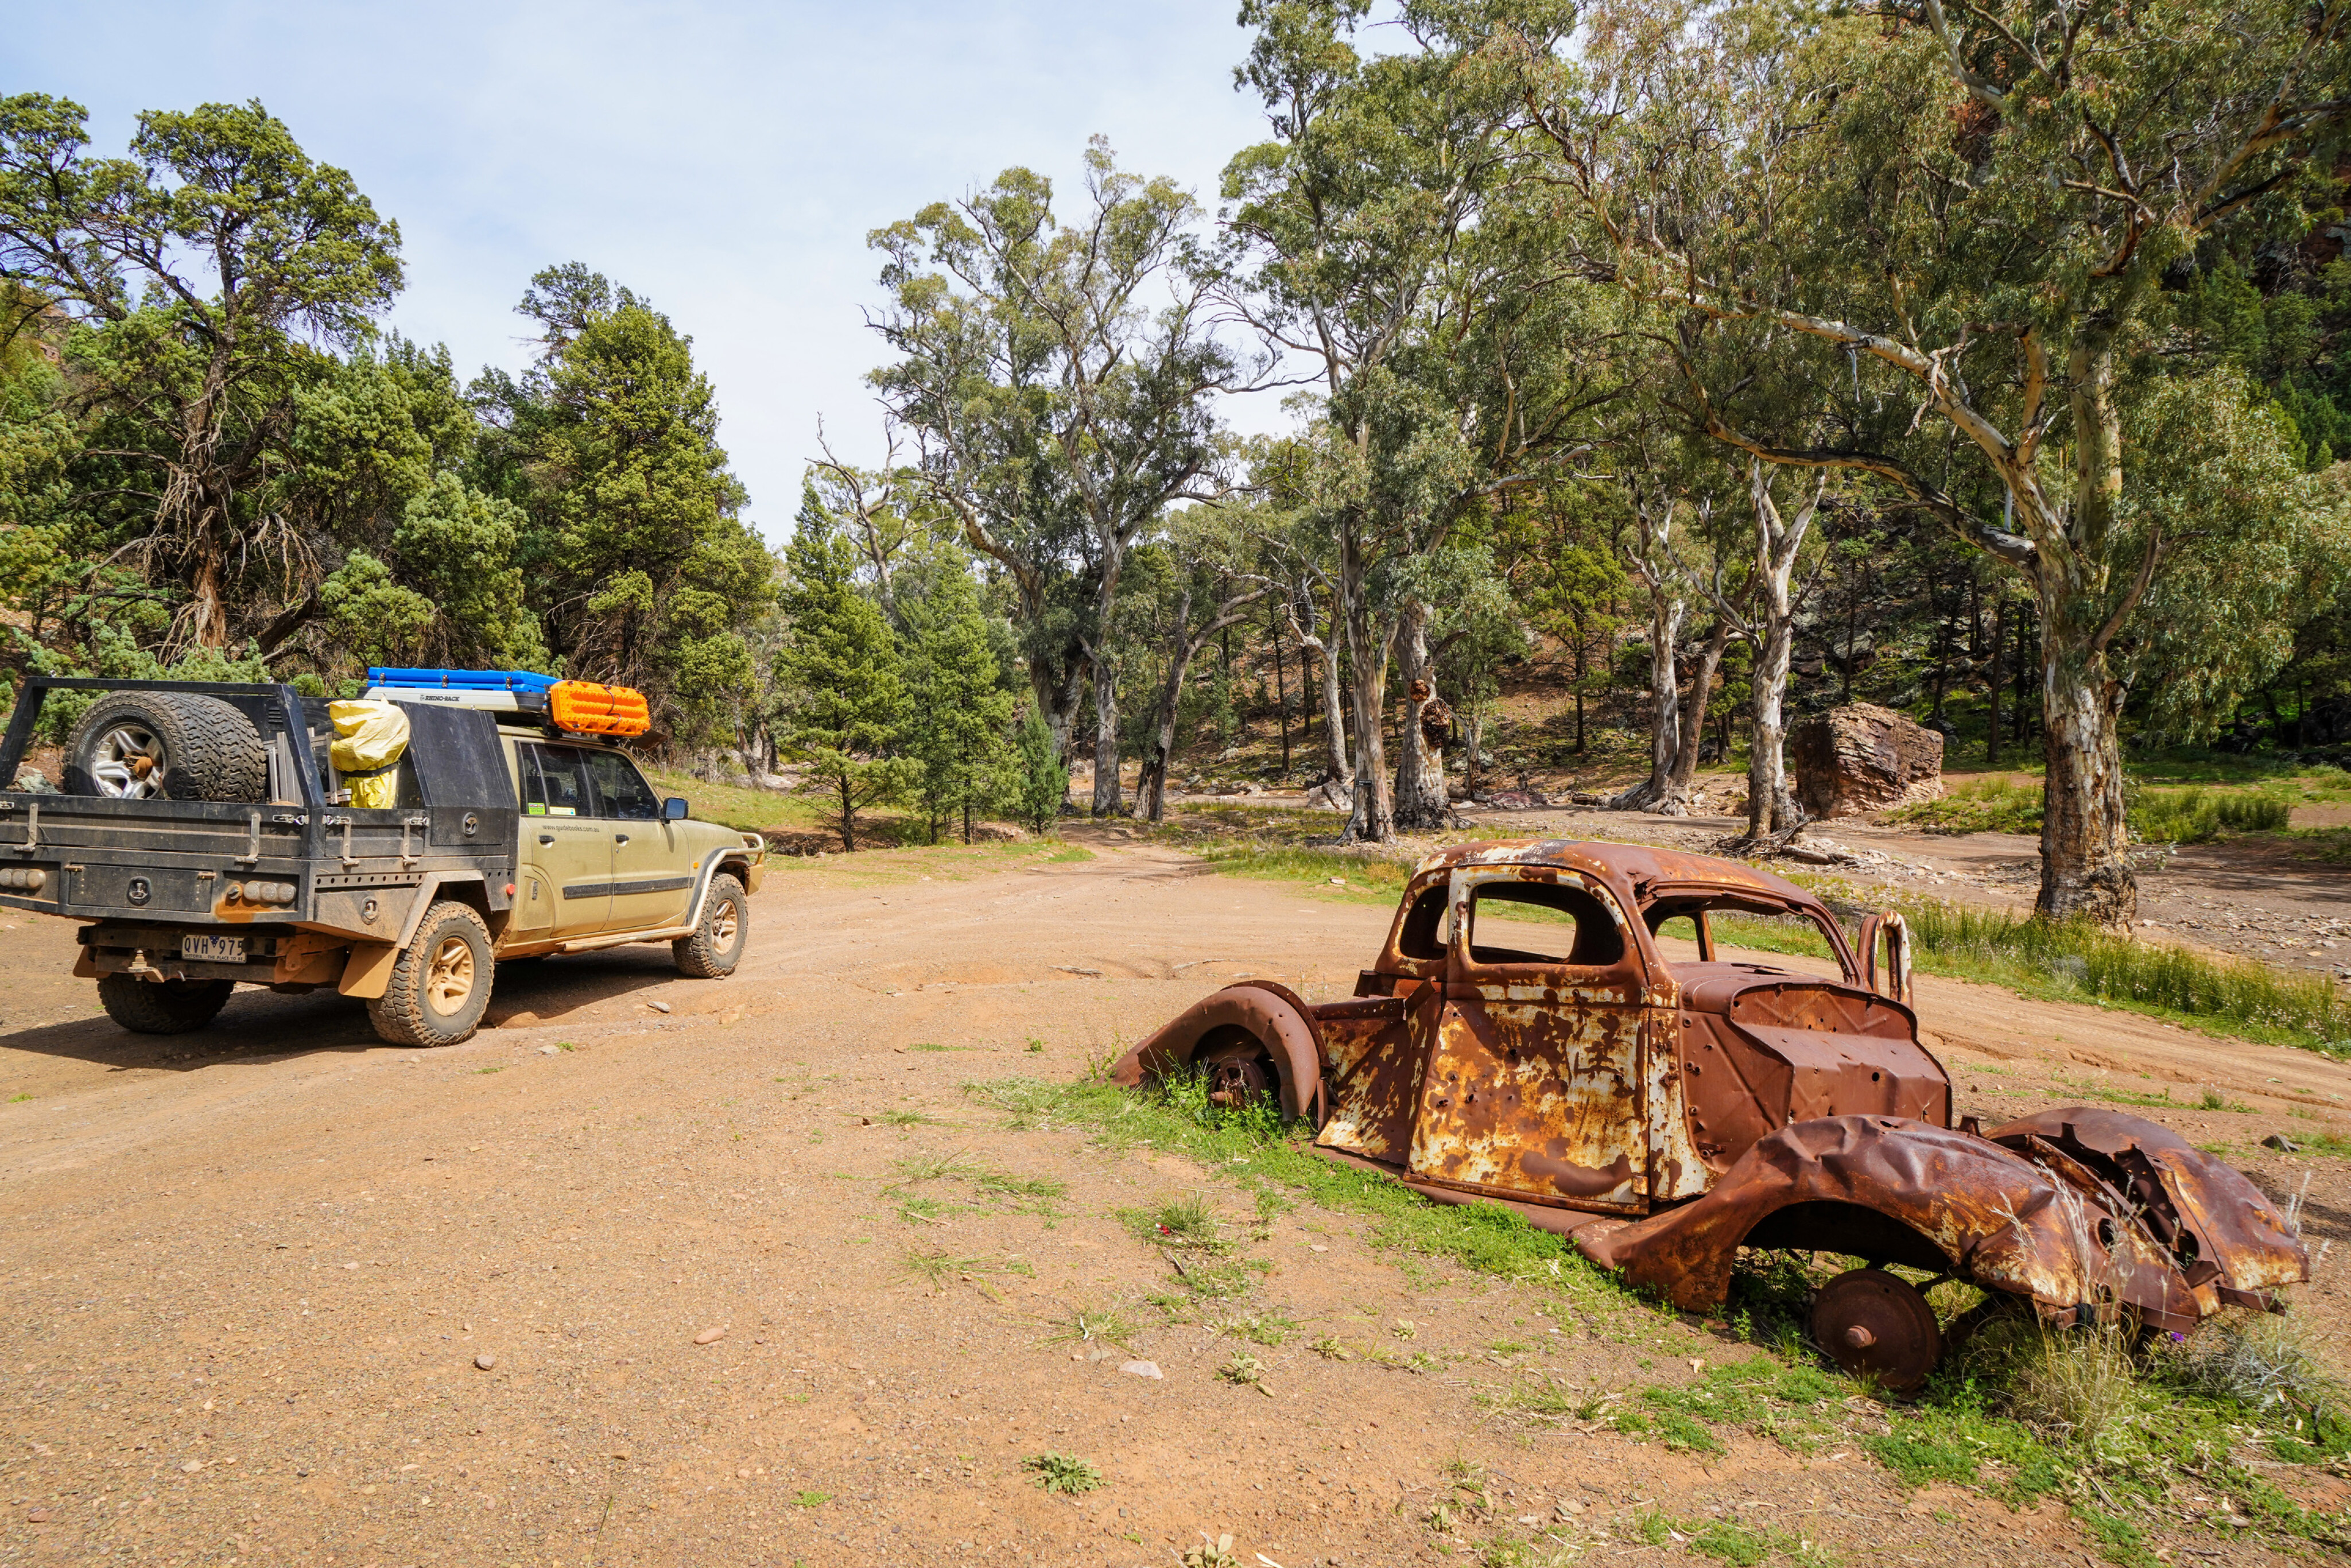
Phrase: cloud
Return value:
(723, 159)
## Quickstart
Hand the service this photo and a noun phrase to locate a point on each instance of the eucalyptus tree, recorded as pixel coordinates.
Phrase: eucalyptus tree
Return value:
(1057, 380)
(884, 511)
(1985, 211)
(213, 269)
(1371, 243)
(1213, 580)
(1764, 613)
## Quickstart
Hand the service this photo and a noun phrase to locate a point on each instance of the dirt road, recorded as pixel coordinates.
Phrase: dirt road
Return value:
(279, 1294)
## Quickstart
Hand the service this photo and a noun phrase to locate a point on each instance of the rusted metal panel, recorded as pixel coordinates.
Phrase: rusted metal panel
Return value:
(1272, 1014)
(1678, 1168)
(1731, 1102)
(1373, 1064)
(1536, 1100)
(1995, 1215)
(1535, 1085)
(2217, 1226)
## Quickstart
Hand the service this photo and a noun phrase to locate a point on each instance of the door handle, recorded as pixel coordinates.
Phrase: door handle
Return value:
(547, 837)
(620, 837)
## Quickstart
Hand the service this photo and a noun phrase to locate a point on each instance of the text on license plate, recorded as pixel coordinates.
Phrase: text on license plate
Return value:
(213, 949)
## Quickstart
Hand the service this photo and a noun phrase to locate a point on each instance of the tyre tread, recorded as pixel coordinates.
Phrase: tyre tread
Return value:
(146, 1007)
(399, 1015)
(213, 751)
(697, 956)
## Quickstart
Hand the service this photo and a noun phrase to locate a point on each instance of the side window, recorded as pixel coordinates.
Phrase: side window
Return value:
(620, 790)
(553, 782)
(1423, 935)
(1542, 923)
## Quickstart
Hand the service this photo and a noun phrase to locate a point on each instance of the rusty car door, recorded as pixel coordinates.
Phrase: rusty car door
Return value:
(1534, 1088)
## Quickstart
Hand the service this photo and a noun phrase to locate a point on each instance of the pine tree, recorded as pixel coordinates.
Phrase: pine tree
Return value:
(1040, 780)
(843, 702)
(961, 709)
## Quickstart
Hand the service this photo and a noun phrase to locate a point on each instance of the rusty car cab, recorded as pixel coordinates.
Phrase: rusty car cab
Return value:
(1591, 1072)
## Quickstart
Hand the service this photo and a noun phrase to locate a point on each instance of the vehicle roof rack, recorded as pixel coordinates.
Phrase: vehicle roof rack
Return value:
(570, 707)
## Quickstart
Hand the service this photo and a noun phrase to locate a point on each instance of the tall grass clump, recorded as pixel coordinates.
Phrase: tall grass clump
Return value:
(1992, 804)
(2077, 957)
(2264, 1363)
(2199, 816)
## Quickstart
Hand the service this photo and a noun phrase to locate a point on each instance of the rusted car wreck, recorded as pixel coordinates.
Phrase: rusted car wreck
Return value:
(1524, 1040)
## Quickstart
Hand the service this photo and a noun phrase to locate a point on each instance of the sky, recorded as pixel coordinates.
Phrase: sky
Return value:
(724, 161)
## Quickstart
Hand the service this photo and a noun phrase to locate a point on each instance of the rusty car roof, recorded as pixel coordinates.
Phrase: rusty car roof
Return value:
(1633, 864)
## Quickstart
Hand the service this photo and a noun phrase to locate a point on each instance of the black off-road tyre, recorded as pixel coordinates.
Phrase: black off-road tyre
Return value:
(717, 943)
(166, 746)
(440, 983)
(168, 1006)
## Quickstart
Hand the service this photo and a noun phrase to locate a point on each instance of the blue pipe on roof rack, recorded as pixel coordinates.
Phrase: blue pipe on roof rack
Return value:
(463, 680)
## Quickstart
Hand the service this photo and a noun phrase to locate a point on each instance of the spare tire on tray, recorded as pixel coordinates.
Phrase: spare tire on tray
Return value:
(166, 746)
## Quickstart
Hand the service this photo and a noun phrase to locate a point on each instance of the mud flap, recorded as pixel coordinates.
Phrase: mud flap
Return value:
(368, 974)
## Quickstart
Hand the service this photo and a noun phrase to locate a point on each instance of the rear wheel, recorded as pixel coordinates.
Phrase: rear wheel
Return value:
(1877, 1326)
(440, 983)
(159, 746)
(167, 1007)
(1238, 1070)
(717, 943)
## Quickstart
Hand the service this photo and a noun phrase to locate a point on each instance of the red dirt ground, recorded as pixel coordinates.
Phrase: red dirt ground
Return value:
(247, 1274)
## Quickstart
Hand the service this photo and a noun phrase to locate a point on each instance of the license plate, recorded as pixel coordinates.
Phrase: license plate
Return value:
(213, 949)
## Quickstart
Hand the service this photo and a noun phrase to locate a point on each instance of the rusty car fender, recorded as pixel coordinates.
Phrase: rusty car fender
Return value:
(1282, 1021)
(2239, 1244)
(1962, 1203)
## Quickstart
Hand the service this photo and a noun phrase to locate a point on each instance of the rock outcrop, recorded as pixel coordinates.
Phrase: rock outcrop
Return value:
(1851, 760)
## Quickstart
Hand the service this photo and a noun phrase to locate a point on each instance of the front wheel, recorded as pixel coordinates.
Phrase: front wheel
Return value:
(166, 1006)
(1876, 1325)
(717, 943)
(440, 983)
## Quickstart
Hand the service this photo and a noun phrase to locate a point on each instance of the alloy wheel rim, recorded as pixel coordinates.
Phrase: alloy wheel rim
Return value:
(450, 980)
(723, 924)
(130, 763)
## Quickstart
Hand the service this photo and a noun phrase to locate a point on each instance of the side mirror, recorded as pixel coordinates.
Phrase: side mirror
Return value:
(674, 808)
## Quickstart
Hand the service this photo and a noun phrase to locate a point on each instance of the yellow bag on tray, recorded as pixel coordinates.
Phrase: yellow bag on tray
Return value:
(370, 738)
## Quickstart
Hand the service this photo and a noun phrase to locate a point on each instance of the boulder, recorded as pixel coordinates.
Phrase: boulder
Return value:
(1861, 758)
(1330, 795)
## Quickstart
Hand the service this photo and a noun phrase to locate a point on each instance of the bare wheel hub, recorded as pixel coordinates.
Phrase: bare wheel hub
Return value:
(1876, 1325)
(1240, 1077)
(450, 980)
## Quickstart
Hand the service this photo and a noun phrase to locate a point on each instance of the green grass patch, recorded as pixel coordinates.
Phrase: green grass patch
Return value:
(1993, 803)
(2208, 1099)
(2198, 816)
(1061, 1473)
(1251, 1148)
(1997, 803)
(2079, 962)
(1333, 873)
(2076, 961)
(1188, 1221)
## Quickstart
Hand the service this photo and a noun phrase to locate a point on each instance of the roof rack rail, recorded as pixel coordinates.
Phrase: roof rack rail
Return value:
(570, 707)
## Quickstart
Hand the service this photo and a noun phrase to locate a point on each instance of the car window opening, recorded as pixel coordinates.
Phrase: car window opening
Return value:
(1423, 934)
(1593, 941)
